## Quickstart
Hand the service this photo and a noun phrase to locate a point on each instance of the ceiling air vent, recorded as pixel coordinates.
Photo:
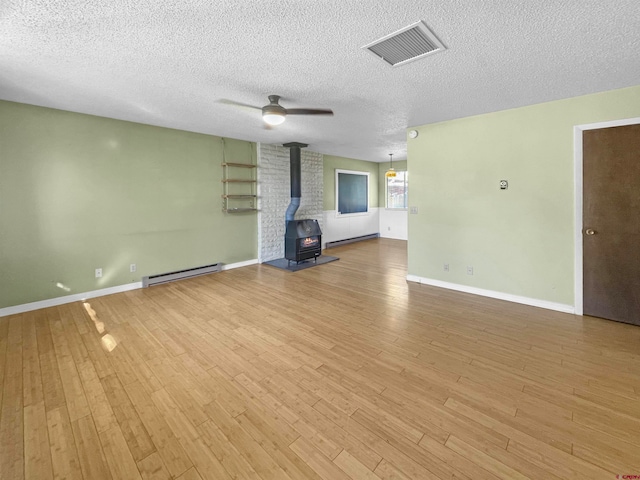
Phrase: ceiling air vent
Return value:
(405, 45)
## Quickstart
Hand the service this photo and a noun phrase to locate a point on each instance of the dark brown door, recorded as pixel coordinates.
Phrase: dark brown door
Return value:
(611, 221)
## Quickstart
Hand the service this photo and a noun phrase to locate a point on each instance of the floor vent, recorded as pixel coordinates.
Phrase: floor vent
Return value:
(180, 275)
(406, 45)
(337, 243)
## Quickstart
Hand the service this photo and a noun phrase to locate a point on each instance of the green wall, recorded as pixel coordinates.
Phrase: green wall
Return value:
(331, 163)
(519, 241)
(78, 192)
(399, 166)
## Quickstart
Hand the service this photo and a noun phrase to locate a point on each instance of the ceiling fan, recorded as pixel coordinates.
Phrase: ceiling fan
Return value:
(274, 113)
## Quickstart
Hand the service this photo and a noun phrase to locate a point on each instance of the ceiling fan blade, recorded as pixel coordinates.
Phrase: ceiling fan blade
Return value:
(237, 104)
(309, 111)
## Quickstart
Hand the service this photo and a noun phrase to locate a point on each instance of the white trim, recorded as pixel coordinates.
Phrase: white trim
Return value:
(578, 189)
(54, 302)
(534, 302)
(246, 263)
(613, 123)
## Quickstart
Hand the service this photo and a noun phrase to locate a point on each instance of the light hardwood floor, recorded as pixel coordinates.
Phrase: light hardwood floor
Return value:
(336, 372)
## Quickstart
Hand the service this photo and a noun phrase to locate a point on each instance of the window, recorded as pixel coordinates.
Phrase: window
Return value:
(352, 192)
(397, 190)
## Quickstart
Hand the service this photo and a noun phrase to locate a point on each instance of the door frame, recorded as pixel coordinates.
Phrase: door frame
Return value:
(578, 189)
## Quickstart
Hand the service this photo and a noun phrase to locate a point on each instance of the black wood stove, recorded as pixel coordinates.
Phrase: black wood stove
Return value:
(302, 240)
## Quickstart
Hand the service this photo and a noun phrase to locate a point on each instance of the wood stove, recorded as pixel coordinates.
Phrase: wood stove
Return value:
(302, 240)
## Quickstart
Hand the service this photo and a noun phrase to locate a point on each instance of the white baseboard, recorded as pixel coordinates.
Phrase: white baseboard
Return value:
(246, 263)
(560, 307)
(54, 302)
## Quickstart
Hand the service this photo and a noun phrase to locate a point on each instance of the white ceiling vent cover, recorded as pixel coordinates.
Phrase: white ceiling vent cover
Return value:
(406, 45)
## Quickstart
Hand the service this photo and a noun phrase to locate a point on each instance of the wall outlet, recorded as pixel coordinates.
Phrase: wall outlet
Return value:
(389, 229)
(98, 273)
(132, 267)
(413, 210)
(469, 270)
(446, 267)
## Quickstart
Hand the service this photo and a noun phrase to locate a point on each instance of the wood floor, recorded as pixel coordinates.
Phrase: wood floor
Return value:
(335, 372)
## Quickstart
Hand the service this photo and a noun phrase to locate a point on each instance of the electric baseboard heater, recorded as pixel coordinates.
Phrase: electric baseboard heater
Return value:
(337, 243)
(180, 275)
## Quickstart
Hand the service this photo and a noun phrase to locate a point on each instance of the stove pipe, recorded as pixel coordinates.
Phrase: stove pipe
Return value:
(296, 181)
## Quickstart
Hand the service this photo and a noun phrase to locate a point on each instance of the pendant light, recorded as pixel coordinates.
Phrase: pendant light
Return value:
(391, 172)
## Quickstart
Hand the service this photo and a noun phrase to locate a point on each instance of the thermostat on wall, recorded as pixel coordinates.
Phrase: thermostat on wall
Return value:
(504, 184)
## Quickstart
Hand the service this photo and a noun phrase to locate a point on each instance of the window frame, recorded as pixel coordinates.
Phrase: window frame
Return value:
(406, 191)
(337, 191)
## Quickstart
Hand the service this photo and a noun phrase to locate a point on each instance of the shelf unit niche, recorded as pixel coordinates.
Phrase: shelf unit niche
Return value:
(240, 184)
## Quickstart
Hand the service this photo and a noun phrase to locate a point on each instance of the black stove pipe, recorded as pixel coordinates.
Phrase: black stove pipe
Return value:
(296, 178)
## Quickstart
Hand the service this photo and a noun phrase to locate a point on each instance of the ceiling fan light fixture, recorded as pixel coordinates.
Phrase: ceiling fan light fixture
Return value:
(273, 118)
(273, 114)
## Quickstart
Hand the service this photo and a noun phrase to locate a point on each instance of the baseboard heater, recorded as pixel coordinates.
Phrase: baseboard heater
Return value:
(180, 274)
(337, 243)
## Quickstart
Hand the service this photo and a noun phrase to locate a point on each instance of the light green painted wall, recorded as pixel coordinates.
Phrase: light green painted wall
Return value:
(519, 241)
(399, 166)
(331, 163)
(79, 192)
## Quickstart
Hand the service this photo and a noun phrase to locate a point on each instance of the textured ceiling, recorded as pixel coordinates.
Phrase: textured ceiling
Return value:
(169, 63)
